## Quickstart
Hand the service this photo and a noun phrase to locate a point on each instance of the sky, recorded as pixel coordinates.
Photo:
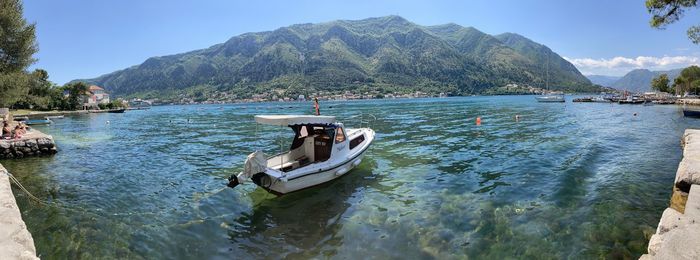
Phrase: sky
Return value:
(85, 39)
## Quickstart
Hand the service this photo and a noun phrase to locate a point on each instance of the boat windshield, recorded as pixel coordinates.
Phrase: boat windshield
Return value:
(303, 131)
(312, 143)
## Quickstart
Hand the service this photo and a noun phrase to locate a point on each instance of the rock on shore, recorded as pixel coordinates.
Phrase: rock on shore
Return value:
(678, 233)
(27, 147)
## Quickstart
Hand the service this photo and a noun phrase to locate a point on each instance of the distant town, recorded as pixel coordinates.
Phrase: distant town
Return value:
(225, 98)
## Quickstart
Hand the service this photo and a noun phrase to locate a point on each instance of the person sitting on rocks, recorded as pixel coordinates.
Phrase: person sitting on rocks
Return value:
(23, 127)
(18, 132)
(6, 131)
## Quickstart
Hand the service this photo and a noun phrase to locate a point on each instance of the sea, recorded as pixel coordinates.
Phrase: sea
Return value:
(562, 180)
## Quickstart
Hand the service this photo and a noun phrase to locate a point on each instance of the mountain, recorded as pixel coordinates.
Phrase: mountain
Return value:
(603, 80)
(385, 54)
(560, 70)
(639, 80)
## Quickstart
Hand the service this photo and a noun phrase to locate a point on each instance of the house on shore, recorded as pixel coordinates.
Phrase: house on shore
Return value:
(94, 96)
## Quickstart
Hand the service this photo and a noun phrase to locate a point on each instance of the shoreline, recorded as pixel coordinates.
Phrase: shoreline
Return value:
(16, 241)
(677, 235)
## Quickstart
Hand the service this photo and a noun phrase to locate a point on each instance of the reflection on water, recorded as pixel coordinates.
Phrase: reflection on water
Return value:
(566, 180)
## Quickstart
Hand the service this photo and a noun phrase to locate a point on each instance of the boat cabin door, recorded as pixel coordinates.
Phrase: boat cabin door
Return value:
(323, 143)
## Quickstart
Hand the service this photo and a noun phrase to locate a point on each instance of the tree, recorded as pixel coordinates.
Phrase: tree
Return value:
(679, 85)
(13, 87)
(17, 45)
(665, 12)
(39, 92)
(75, 93)
(688, 80)
(692, 78)
(660, 83)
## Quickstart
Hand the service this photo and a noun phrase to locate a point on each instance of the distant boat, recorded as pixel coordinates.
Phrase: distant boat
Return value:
(603, 98)
(551, 98)
(120, 110)
(664, 102)
(691, 113)
(138, 108)
(631, 100)
(38, 122)
(54, 117)
(583, 99)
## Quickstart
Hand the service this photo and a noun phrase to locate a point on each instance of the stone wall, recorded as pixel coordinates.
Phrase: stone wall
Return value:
(689, 101)
(27, 147)
(678, 233)
(15, 240)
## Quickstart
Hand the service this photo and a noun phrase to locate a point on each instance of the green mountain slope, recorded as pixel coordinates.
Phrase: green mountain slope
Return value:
(385, 54)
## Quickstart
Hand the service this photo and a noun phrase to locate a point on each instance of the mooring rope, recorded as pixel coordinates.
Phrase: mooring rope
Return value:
(16, 182)
(97, 211)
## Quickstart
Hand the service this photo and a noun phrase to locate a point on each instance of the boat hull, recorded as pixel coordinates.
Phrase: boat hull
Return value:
(631, 102)
(37, 122)
(550, 99)
(281, 187)
(292, 183)
(691, 113)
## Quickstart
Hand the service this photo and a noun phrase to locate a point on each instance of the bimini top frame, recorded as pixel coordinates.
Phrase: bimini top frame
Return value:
(289, 120)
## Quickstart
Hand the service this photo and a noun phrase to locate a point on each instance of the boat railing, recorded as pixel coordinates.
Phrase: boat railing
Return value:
(365, 120)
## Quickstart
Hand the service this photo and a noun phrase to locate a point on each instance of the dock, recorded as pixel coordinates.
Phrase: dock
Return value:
(678, 233)
(689, 101)
(15, 240)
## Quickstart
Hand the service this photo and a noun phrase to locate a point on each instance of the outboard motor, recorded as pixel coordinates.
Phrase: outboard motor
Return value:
(255, 163)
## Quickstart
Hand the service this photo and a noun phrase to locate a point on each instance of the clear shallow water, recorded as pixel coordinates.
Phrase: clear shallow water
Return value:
(579, 180)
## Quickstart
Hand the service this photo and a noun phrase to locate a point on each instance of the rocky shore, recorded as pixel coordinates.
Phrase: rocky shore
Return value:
(678, 233)
(689, 101)
(34, 143)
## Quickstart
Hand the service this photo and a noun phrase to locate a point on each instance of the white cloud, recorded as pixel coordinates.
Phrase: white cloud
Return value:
(618, 66)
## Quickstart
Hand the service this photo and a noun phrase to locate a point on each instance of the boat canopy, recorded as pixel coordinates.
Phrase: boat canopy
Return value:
(288, 120)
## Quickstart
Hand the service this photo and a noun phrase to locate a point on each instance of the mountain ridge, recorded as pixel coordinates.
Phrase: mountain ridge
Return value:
(639, 80)
(383, 54)
(603, 80)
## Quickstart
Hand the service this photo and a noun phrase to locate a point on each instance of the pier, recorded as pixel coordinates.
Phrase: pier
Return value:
(689, 101)
(677, 235)
(15, 240)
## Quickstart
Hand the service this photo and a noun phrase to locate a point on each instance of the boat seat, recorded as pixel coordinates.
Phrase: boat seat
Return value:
(288, 166)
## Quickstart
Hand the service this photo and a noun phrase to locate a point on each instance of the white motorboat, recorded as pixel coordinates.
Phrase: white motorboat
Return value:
(322, 150)
(601, 99)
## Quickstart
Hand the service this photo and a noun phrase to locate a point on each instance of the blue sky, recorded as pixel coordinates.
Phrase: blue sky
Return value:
(85, 39)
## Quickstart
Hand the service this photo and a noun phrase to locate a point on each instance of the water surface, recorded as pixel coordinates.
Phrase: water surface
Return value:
(579, 180)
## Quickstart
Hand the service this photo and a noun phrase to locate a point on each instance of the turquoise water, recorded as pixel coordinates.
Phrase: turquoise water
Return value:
(573, 180)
